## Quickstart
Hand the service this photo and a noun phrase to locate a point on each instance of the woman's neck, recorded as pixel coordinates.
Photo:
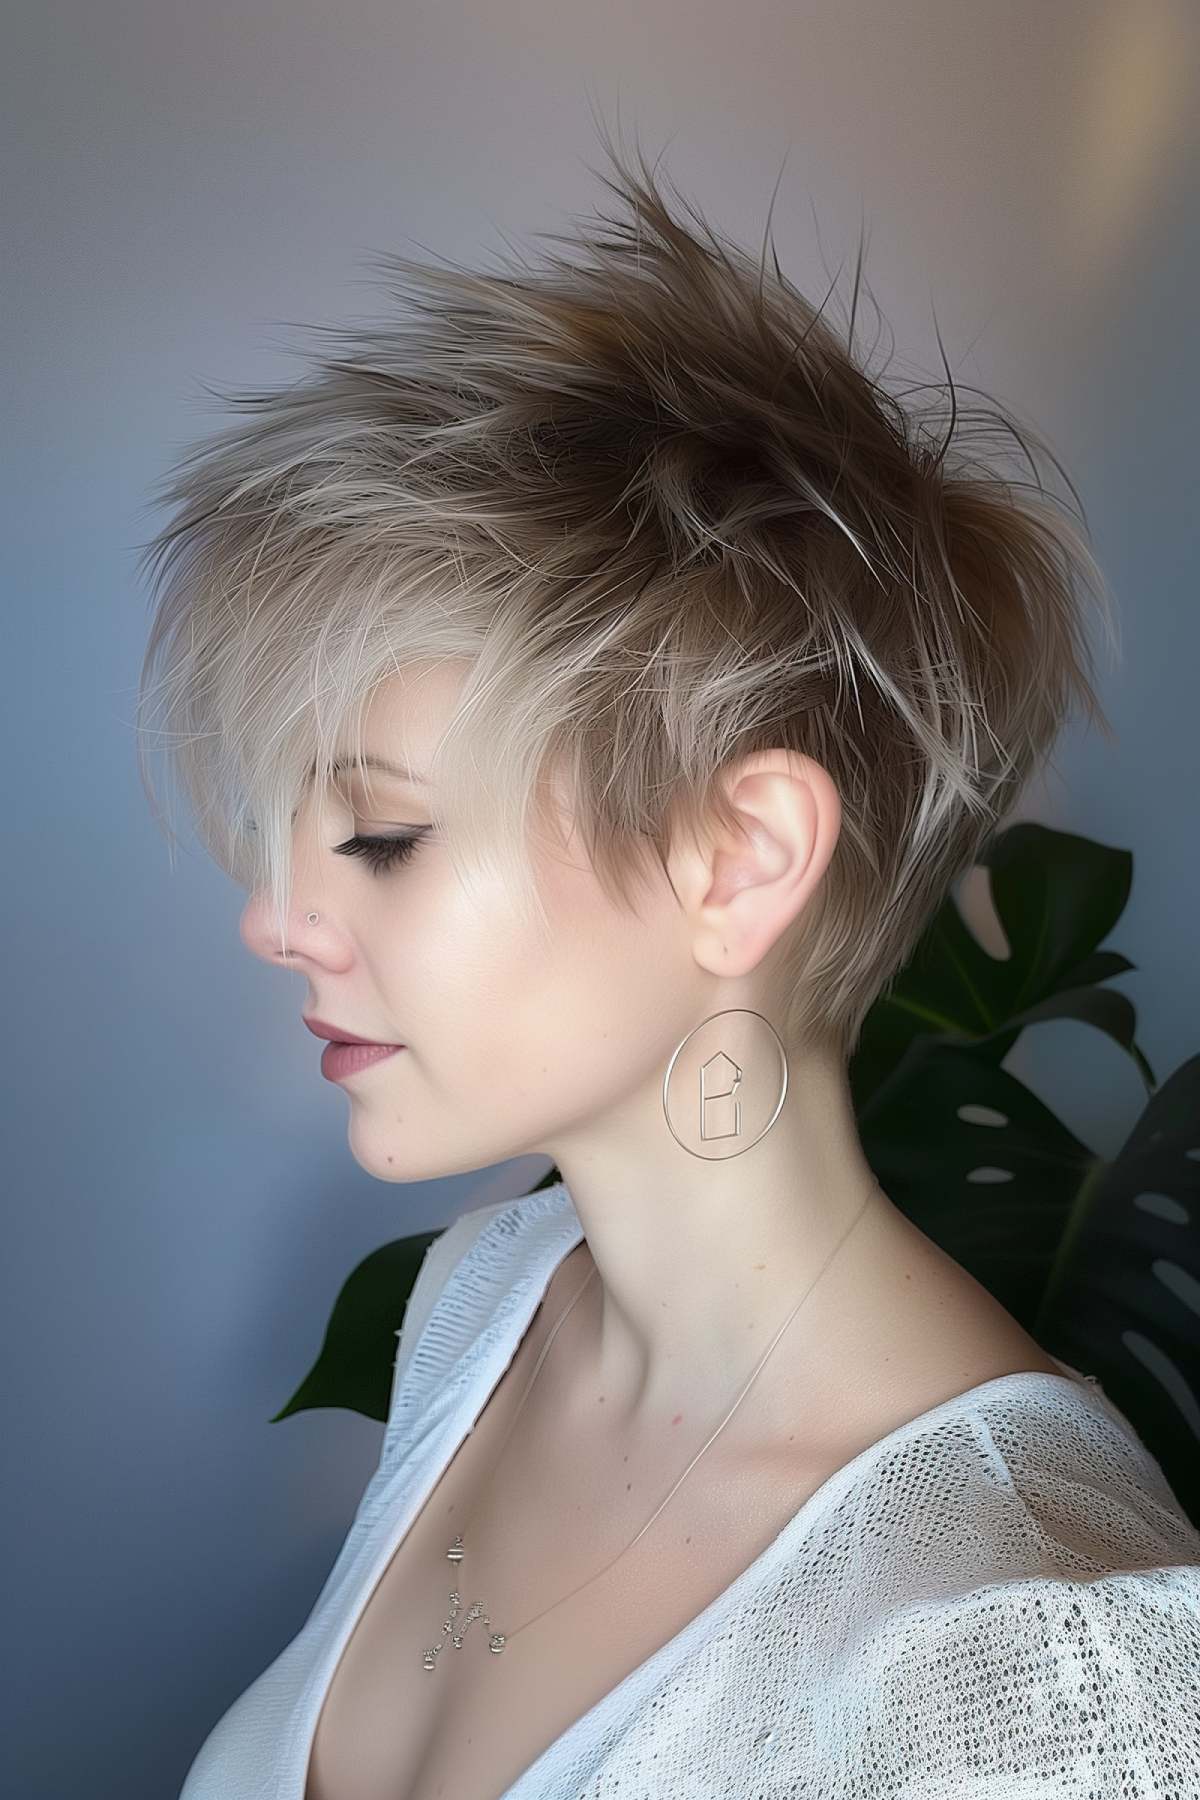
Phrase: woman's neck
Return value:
(699, 1263)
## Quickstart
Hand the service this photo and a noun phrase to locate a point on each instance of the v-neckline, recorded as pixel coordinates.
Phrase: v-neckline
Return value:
(511, 1320)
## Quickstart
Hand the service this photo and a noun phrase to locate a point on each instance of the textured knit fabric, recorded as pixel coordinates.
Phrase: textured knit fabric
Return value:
(1000, 1600)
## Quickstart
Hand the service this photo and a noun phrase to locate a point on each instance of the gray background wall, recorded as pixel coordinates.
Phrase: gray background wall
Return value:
(180, 1204)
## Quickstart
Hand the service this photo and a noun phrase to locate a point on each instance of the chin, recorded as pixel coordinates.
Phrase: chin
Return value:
(401, 1153)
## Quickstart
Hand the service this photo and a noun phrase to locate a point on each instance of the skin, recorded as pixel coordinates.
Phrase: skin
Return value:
(515, 1047)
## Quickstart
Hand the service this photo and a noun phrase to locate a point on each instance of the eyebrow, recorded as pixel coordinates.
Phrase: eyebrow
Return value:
(381, 763)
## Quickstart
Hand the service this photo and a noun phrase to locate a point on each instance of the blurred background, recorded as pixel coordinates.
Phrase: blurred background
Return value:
(182, 181)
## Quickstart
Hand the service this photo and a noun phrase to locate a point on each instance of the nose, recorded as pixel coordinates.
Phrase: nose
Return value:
(259, 931)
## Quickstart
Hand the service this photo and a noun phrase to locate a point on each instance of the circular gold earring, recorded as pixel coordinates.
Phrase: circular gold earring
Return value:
(724, 1088)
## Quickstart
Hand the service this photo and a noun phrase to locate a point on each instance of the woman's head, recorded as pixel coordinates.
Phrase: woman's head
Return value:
(648, 516)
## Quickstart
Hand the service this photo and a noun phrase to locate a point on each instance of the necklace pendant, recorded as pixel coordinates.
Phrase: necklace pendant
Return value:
(497, 1639)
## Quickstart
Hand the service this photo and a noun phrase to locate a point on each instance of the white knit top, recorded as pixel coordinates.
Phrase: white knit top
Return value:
(1000, 1600)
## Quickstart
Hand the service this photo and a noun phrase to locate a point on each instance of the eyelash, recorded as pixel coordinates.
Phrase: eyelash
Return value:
(381, 853)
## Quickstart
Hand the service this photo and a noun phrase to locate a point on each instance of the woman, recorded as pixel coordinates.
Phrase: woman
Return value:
(597, 681)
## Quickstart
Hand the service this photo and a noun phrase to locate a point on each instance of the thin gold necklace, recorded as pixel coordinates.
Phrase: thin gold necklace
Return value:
(455, 1630)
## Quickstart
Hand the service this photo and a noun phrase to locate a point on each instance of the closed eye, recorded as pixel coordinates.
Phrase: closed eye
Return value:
(380, 853)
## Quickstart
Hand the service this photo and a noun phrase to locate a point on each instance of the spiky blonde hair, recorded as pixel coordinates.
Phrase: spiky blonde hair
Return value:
(668, 518)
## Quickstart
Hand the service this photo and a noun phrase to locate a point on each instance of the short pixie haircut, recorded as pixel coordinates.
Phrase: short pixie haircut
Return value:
(668, 519)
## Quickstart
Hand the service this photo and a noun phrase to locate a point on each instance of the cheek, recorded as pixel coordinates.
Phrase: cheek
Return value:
(584, 1012)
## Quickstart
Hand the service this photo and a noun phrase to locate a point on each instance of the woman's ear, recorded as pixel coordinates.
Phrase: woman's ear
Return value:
(742, 888)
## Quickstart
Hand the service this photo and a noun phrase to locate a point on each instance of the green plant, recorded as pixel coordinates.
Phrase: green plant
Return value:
(1096, 1259)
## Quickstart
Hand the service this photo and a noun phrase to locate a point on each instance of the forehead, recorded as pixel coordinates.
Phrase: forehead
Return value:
(405, 717)
(412, 708)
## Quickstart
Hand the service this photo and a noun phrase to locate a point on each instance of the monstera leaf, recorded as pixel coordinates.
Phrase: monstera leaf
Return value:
(1121, 1299)
(1098, 1260)
(1056, 897)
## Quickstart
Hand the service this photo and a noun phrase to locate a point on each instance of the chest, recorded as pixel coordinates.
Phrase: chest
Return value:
(390, 1729)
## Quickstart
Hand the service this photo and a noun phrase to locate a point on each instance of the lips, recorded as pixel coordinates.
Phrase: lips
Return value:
(339, 1061)
(337, 1034)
